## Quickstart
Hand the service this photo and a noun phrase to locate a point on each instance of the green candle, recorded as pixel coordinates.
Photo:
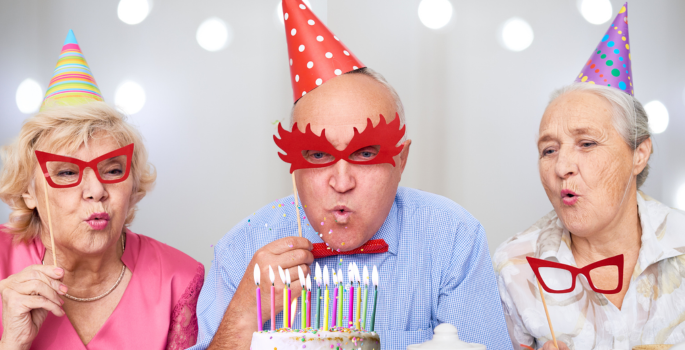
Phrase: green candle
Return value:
(340, 298)
(366, 295)
(375, 298)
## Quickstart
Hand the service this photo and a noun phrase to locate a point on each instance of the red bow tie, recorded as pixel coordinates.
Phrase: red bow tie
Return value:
(374, 246)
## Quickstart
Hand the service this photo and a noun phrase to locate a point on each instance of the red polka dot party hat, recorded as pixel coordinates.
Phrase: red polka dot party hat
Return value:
(609, 64)
(316, 55)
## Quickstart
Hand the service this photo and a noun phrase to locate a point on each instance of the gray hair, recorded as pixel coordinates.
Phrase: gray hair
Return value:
(629, 116)
(399, 107)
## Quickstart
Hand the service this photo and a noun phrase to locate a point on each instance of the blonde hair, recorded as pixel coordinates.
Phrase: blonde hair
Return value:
(65, 128)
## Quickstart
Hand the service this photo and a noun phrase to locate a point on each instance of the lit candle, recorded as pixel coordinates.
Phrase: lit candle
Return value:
(285, 297)
(257, 278)
(358, 279)
(303, 297)
(325, 298)
(317, 277)
(273, 299)
(335, 300)
(342, 298)
(366, 294)
(291, 312)
(350, 313)
(308, 323)
(374, 276)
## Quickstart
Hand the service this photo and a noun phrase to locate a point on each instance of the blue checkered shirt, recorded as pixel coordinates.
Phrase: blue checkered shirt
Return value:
(437, 270)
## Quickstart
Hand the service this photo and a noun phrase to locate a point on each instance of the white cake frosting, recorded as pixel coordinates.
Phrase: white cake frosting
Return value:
(315, 339)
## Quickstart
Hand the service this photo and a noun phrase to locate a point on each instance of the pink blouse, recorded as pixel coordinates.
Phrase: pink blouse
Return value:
(157, 310)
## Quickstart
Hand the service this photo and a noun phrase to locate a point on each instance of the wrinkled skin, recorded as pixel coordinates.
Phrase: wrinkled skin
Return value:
(580, 150)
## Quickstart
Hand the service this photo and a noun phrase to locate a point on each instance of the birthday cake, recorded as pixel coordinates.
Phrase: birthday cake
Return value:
(315, 339)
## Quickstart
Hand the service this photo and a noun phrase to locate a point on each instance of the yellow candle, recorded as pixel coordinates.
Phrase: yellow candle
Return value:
(285, 307)
(325, 310)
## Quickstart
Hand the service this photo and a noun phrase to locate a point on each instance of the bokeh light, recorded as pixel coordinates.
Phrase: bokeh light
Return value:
(658, 116)
(516, 34)
(214, 34)
(595, 11)
(133, 11)
(435, 14)
(29, 96)
(680, 197)
(129, 97)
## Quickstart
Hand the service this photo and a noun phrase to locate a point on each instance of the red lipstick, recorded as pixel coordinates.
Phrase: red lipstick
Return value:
(98, 221)
(569, 197)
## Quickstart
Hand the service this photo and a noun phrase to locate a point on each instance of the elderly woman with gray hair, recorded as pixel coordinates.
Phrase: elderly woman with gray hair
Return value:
(594, 146)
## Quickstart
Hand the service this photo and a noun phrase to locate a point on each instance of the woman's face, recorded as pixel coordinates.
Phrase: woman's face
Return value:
(585, 165)
(88, 218)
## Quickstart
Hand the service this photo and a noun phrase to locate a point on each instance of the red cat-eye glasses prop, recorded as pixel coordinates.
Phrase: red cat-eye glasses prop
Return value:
(379, 142)
(64, 172)
(560, 278)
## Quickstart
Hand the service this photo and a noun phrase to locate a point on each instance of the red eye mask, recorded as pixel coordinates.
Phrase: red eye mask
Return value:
(384, 135)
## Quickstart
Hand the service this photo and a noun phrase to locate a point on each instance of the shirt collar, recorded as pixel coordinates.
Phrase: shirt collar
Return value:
(659, 240)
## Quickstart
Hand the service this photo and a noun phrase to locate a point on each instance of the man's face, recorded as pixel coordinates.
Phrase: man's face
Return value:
(347, 203)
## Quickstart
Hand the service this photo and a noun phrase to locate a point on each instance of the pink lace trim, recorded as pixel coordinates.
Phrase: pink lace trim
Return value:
(183, 329)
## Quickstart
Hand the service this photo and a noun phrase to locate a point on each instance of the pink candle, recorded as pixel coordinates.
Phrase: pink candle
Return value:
(259, 309)
(257, 278)
(309, 309)
(335, 307)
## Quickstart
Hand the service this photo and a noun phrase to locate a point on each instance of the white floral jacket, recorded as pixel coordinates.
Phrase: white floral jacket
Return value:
(653, 310)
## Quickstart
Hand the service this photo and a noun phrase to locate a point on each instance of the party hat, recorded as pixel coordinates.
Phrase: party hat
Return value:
(609, 64)
(72, 82)
(316, 55)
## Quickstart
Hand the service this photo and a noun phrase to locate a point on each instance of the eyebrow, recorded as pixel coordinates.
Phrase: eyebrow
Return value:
(574, 132)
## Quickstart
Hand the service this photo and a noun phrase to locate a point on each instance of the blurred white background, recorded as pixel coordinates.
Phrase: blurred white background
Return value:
(204, 80)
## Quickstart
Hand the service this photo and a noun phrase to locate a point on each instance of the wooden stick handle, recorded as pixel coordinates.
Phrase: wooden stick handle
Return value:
(52, 238)
(544, 303)
(297, 206)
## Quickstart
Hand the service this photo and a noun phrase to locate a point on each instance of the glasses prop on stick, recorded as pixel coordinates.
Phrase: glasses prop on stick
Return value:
(65, 172)
(557, 278)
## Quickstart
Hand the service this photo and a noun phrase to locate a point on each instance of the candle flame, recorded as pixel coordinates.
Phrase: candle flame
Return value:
(300, 275)
(374, 276)
(350, 273)
(287, 277)
(326, 280)
(317, 275)
(340, 276)
(271, 275)
(281, 274)
(257, 274)
(357, 277)
(309, 283)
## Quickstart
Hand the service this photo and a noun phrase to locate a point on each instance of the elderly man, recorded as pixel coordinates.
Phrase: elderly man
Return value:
(435, 267)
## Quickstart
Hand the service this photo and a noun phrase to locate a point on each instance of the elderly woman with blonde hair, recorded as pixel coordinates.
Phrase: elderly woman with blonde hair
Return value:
(72, 275)
(594, 146)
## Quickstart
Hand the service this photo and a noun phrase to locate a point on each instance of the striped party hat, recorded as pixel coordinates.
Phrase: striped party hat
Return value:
(72, 83)
(609, 64)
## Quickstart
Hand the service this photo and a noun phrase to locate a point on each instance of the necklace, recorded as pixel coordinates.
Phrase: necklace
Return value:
(121, 276)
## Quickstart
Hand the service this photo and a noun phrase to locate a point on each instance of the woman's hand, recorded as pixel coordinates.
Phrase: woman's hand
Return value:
(27, 297)
(550, 346)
